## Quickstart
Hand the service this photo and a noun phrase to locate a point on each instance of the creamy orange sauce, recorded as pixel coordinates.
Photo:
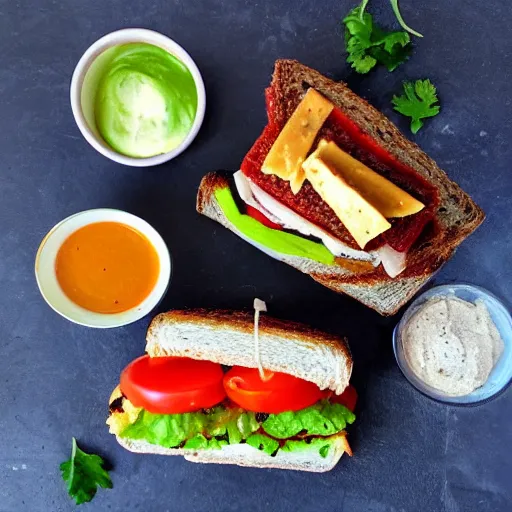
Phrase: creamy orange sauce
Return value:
(107, 267)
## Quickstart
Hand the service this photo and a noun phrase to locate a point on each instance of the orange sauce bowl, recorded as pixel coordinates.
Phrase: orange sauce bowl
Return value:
(103, 268)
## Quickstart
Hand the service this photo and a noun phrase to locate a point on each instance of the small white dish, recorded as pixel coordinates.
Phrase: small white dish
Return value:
(49, 286)
(84, 85)
(501, 375)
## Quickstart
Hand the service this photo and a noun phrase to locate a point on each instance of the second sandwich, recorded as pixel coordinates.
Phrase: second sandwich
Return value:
(218, 386)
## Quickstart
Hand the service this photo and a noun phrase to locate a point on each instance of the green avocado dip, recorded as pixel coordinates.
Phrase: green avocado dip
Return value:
(146, 100)
(278, 241)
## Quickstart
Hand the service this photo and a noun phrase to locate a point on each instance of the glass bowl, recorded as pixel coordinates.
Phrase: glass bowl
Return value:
(501, 375)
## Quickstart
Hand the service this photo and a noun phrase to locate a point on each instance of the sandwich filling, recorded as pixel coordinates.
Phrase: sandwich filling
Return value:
(182, 403)
(313, 173)
(311, 428)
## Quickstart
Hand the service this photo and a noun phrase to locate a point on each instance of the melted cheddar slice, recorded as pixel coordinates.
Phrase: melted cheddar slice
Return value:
(363, 221)
(291, 147)
(385, 196)
(118, 421)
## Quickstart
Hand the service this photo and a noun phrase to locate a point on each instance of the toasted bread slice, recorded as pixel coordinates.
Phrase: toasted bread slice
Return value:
(227, 337)
(456, 216)
(245, 455)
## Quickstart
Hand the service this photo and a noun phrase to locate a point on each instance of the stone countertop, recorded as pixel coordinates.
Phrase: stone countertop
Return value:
(410, 453)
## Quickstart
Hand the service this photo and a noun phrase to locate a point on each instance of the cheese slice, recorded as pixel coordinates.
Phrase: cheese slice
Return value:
(118, 421)
(291, 147)
(385, 196)
(363, 221)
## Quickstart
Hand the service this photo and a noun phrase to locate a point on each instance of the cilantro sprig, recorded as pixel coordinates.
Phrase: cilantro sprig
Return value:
(83, 473)
(418, 102)
(398, 15)
(367, 44)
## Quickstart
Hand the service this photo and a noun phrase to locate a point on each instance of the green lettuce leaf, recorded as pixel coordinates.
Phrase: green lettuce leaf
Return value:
(171, 430)
(162, 429)
(199, 431)
(263, 443)
(216, 444)
(198, 442)
(247, 424)
(317, 443)
(323, 419)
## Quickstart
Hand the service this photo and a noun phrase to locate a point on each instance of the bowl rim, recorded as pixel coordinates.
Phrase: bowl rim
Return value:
(94, 319)
(424, 389)
(126, 36)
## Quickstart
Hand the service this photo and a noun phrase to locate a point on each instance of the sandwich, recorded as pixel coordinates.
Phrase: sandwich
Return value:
(220, 387)
(332, 188)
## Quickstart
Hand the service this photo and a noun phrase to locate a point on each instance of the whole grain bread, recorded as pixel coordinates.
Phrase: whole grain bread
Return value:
(307, 459)
(457, 216)
(227, 337)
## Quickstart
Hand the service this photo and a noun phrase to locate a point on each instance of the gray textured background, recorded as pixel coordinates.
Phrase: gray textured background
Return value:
(55, 378)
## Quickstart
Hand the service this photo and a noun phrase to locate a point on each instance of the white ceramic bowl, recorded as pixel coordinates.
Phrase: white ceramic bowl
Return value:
(84, 85)
(58, 300)
(501, 375)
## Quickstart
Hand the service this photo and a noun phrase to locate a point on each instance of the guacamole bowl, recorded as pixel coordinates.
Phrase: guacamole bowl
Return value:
(138, 98)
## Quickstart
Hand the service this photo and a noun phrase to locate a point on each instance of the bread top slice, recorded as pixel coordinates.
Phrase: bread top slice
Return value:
(227, 337)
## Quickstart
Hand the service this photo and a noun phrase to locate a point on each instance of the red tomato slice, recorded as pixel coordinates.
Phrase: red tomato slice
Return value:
(348, 398)
(279, 393)
(257, 215)
(172, 385)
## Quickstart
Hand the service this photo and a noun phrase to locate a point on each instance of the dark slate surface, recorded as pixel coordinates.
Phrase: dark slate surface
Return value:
(55, 378)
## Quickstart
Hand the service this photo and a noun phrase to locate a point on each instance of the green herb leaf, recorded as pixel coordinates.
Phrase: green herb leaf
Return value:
(367, 44)
(391, 40)
(396, 10)
(84, 473)
(418, 102)
(362, 8)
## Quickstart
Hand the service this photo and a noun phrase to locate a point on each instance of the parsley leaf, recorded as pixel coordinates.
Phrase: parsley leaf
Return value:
(367, 44)
(83, 473)
(418, 102)
(398, 15)
(396, 10)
